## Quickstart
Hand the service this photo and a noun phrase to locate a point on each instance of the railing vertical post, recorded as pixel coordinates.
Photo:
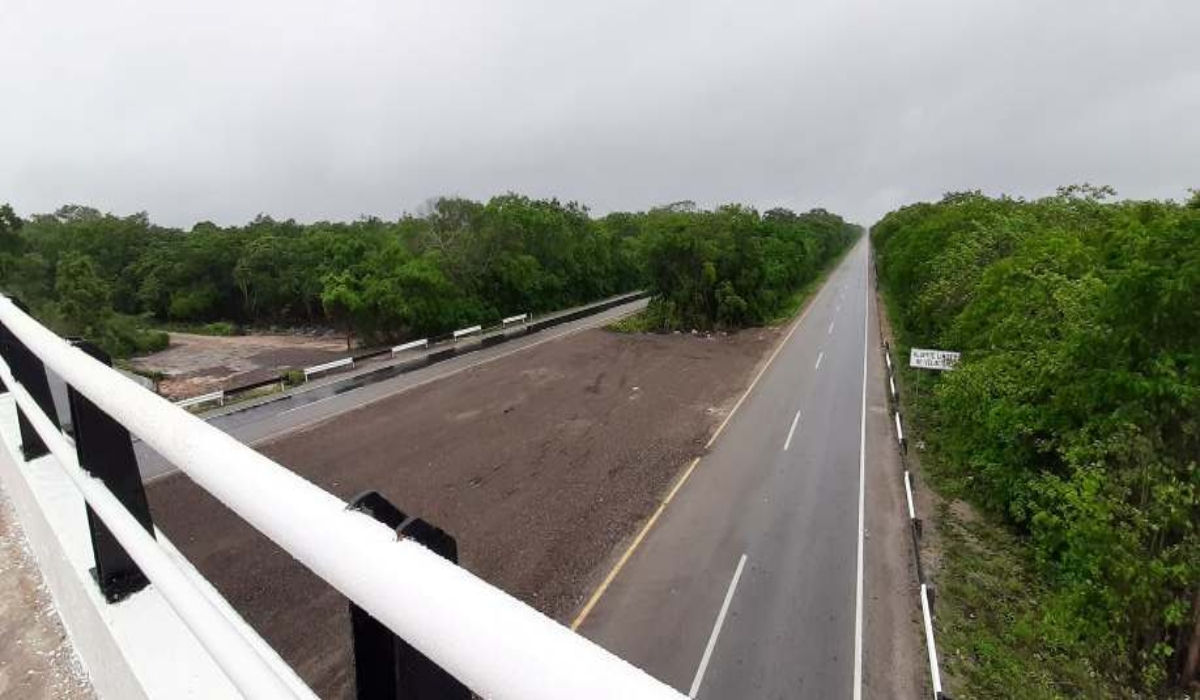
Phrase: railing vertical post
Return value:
(420, 678)
(29, 371)
(106, 452)
(385, 666)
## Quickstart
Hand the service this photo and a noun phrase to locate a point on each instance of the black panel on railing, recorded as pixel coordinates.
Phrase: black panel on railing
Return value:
(385, 666)
(29, 372)
(105, 451)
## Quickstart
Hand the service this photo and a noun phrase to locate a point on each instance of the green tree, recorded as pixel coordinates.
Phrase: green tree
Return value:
(83, 297)
(343, 302)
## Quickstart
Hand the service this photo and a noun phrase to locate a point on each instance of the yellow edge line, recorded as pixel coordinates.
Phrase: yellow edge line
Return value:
(579, 619)
(629, 550)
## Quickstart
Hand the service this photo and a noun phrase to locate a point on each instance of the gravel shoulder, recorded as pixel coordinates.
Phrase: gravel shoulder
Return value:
(894, 661)
(539, 463)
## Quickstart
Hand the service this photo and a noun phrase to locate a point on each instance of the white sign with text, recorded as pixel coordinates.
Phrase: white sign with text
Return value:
(933, 359)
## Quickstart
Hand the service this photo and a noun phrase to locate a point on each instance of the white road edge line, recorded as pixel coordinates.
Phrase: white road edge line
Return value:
(830, 331)
(862, 486)
(788, 442)
(712, 638)
(820, 356)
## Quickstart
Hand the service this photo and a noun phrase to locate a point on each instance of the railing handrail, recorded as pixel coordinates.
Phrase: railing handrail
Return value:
(495, 644)
(246, 669)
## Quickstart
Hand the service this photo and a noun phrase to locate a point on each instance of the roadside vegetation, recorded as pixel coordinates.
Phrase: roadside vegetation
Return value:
(1072, 423)
(732, 267)
(457, 263)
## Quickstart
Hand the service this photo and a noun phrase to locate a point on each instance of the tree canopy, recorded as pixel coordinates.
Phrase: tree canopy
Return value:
(732, 267)
(458, 262)
(1075, 411)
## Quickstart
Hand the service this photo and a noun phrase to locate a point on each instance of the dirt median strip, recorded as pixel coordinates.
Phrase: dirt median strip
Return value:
(539, 463)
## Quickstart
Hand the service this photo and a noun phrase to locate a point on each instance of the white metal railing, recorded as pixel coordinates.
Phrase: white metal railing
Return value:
(467, 331)
(218, 396)
(519, 318)
(493, 643)
(325, 367)
(246, 669)
(412, 345)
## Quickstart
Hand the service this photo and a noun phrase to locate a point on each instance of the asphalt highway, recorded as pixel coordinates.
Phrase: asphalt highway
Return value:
(750, 581)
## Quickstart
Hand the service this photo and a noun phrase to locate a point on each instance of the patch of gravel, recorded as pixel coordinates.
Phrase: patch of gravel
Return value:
(36, 657)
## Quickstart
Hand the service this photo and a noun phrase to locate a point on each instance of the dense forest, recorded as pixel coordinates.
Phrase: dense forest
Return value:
(458, 262)
(731, 267)
(1075, 412)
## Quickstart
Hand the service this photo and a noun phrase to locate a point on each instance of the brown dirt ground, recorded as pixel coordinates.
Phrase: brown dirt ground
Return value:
(539, 464)
(197, 364)
(36, 658)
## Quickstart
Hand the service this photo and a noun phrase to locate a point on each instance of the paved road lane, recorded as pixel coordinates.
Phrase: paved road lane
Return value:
(790, 506)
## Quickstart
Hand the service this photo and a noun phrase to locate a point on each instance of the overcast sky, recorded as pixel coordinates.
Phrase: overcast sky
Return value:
(329, 110)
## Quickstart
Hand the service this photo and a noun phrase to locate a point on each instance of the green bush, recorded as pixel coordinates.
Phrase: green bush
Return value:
(223, 328)
(122, 336)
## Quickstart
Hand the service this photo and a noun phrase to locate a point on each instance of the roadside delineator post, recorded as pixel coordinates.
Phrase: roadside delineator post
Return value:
(30, 373)
(385, 666)
(105, 451)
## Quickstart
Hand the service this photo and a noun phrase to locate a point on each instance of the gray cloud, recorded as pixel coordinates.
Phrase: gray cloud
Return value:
(220, 110)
